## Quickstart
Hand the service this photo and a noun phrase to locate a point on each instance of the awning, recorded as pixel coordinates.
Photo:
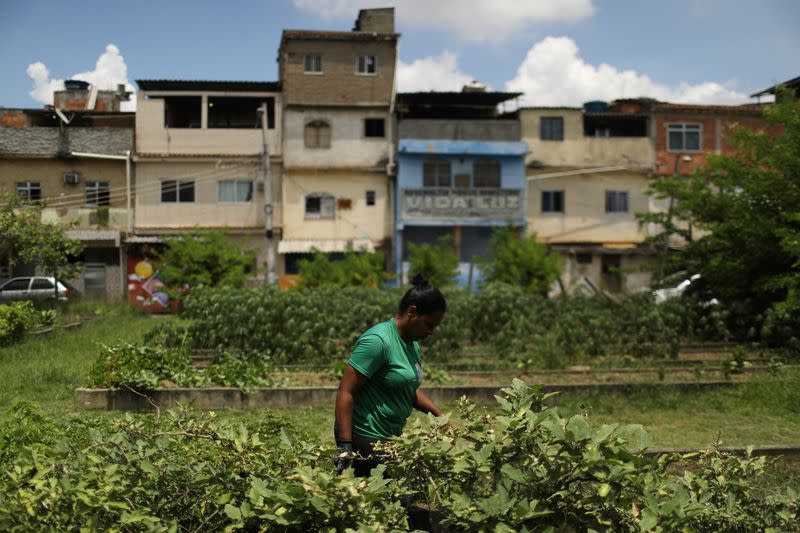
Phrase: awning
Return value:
(143, 239)
(95, 235)
(327, 246)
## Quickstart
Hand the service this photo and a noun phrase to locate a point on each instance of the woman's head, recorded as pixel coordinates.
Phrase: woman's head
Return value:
(421, 308)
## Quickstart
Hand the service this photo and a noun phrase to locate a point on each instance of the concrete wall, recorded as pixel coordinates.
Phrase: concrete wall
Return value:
(482, 130)
(358, 222)
(152, 137)
(338, 84)
(50, 174)
(349, 146)
(576, 149)
(51, 141)
(635, 276)
(584, 218)
(206, 211)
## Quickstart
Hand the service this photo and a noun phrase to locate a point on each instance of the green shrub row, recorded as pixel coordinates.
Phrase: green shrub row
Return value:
(529, 467)
(320, 325)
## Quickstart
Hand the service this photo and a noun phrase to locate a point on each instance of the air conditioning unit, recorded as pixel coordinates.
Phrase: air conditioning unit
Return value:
(260, 185)
(71, 178)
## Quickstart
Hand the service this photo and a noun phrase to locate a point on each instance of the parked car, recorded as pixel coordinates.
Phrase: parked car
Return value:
(36, 288)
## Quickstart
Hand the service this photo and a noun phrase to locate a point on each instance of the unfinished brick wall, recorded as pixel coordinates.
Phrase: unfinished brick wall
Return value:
(338, 84)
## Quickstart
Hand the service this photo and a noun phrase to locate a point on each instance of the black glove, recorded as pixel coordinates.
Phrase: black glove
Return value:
(343, 458)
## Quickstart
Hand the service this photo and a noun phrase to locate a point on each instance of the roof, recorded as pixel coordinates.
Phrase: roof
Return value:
(553, 107)
(316, 35)
(748, 109)
(94, 235)
(209, 85)
(794, 83)
(148, 155)
(460, 98)
(497, 148)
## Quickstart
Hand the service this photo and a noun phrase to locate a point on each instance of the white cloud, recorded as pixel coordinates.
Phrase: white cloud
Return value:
(440, 73)
(109, 71)
(471, 20)
(553, 73)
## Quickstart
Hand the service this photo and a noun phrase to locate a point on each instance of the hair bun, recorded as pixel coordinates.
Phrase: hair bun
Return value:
(419, 281)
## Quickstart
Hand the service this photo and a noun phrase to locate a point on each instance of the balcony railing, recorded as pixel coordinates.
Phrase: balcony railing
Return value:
(88, 217)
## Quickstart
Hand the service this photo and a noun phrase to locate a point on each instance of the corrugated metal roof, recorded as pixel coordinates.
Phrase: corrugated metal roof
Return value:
(327, 246)
(209, 85)
(143, 239)
(423, 146)
(794, 83)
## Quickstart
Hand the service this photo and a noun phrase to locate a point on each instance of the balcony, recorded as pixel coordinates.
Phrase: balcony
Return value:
(88, 218)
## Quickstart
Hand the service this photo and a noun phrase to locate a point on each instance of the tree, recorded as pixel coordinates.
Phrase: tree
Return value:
(205, 258)
(354, 270)
(746, 205)
(30, 240)
(519, 261)
(436, 263)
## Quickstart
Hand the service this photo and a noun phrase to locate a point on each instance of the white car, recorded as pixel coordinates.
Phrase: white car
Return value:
(36, 288)
(668, 293)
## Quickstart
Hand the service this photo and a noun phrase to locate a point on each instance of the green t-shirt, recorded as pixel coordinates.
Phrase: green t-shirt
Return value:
(383, 404)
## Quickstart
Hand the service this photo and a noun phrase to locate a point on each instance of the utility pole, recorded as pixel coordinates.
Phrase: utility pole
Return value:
(267, 196)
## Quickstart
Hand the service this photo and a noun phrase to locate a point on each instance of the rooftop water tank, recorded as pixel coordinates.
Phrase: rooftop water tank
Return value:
(595, 106)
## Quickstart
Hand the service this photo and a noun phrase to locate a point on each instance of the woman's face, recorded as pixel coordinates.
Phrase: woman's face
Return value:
(420, 326)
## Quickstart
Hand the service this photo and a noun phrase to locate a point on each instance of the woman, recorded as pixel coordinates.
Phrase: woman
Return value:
(380, 385)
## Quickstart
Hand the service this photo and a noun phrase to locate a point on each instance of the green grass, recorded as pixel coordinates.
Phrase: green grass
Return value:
(48, 368)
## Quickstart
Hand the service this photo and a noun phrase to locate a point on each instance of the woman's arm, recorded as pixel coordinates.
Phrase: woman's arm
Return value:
(351, 382)
(424, 404)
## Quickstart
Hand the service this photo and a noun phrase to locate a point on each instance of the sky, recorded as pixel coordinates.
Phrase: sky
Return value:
(557, 52)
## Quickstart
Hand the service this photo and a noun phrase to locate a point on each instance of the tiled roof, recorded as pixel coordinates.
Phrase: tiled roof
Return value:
(208, 85)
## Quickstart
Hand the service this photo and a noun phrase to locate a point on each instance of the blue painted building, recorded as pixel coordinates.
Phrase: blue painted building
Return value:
(460, 172)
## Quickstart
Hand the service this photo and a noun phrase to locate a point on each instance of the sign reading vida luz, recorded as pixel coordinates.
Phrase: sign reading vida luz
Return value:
(461, 203)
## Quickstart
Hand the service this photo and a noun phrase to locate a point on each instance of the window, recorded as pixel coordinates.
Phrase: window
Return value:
(177, 191)
(98, 193)
(182, 112)
(552, 128)
(320, 206)
(313, 64)
(683, 137)
(552, 201)
(374, 127)
(235, 191)
(41, 284)
(365, 65)
(436, 174)
(228, 112)
(616, 201)
(370, 198)
(29, 191)
(317, 134)
(486, 173)
(21, 284)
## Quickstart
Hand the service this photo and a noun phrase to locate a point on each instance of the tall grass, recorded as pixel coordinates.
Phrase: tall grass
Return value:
(47, 369)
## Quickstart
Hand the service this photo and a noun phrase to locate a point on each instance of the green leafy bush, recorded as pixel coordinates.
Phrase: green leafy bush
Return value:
(530, 467)
(436, 263)
(15, 319)
(142, 367)
(353, 270)
(534, 468)
(181, 471)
